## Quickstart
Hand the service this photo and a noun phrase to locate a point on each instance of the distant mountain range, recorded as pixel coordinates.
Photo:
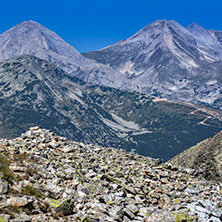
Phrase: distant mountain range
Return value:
(45, 81)
(167, 60)
(163, 59)
(35, 92)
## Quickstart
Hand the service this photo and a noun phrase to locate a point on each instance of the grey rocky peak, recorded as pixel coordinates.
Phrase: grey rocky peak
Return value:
(206, 42)
(167, 60)
(64, 180)
(33, 39)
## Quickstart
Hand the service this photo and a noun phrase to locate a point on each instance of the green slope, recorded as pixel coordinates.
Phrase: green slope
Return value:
(34, 92)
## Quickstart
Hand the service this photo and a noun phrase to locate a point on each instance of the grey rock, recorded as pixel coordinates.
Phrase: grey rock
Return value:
(205, 210)
(143, 212)
(20, 201)
(190, 191)
(3, 186)
(54, 196)
(56, 190)
(134, 209)
(23, 217)
(129, 213)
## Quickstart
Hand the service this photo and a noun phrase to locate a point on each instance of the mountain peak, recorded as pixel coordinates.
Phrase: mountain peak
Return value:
(195, 27)
(217, 35)
(160, 58)
(30, 37)
(33, 39)
(205, 39)
(194, 24)
(165, 22)
(151, 28)
(160, 24)
(30, 25)
(160, 21)
(31, 22)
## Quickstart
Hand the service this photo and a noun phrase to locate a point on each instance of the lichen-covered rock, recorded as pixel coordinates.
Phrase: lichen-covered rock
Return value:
(3, 186)
(4, 217)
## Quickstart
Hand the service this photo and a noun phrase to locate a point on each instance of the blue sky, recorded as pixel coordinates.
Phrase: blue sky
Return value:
(93, 24)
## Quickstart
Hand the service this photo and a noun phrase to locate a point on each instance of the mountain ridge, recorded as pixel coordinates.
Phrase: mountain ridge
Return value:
(205, 156)
(167, 60)
(36, 92)
(163, 59)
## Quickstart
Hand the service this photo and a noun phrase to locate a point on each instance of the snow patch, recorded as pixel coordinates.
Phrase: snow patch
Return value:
(122, 127)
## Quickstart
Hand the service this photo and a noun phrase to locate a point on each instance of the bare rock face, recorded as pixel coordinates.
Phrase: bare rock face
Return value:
(167, 60)
(77, 182)
(205, 156)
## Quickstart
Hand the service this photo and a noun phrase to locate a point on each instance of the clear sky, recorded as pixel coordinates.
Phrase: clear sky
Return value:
(94, 24)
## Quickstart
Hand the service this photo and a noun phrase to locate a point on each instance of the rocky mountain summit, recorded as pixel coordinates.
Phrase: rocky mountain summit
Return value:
(168, 60)
(45, 177)
(31, 38)
(206, 156)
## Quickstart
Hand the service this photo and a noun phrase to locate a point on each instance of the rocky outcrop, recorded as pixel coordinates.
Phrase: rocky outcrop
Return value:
(53, 179)
(206, 156)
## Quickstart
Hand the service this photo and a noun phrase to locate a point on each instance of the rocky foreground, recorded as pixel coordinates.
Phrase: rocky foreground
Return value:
(45, 177)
